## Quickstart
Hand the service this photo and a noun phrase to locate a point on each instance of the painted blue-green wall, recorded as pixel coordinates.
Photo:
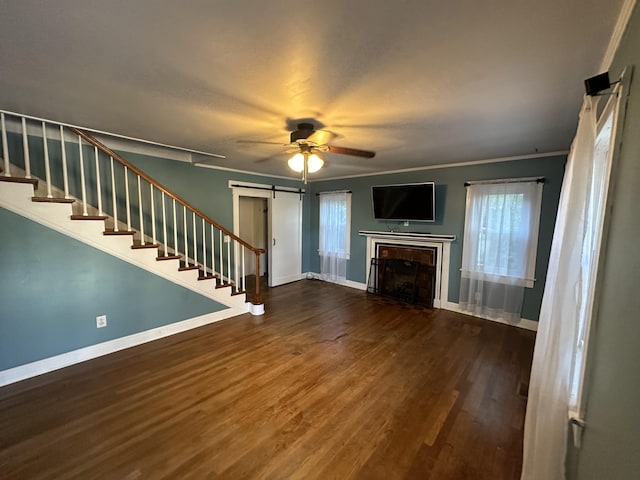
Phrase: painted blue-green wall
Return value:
(611, 439)
(450, 206)
(52, 287)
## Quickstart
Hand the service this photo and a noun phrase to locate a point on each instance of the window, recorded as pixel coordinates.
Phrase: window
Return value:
(335, 234)
(499, 246)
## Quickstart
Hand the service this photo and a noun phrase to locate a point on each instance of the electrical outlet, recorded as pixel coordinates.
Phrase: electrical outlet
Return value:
(101, 321)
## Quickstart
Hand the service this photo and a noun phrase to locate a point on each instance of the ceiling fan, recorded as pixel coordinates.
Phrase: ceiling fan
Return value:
(306, 142)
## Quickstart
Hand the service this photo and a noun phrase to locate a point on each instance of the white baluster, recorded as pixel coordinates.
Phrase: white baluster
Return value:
(153, 217)
(47, 168)
(25, 149)
(195, 238)
(229, 260)
(140, 211)
(127, 198)
(164, 225)
(5, 147)
(82, 181)
(213, 250)
(175, 230)
(114, 200)
(204, 247)
(221, 264)
(184, 230)
(98, 185)
(65, 176)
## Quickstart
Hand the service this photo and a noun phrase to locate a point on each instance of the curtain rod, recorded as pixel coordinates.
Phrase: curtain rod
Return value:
(506, 180)
(335, 191)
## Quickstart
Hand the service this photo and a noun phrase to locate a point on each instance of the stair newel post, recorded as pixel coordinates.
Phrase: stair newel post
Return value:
(25, 149)
(153, 216)
(5, 147)
(140, 213)
(98, 184)
(127, 198)
(65, 175)
(204, 247)
(82, 179)
(114, 201)
(184, 235)
(164, 224)
(257, 298)
(175, 232)
(195, 239)
(47, 168)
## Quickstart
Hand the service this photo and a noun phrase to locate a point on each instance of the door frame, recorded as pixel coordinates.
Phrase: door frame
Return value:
(259, 190)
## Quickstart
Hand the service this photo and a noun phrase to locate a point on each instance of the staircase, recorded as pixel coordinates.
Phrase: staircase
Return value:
(64, 178)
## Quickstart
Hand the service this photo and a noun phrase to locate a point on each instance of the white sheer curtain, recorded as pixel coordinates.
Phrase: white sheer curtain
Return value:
(564, 303)
(499, 249)
(335, 235)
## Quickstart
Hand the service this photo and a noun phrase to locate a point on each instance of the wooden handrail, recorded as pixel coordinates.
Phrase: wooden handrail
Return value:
(257, 297)
(96, 143)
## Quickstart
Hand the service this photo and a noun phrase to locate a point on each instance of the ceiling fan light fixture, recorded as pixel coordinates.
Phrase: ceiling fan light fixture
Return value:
(314, 163)
(296, 163)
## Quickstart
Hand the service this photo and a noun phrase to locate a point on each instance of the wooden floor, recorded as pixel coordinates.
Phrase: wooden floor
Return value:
(330, 383)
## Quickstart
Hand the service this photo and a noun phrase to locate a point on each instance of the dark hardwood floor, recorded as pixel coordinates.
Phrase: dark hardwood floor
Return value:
(330, 383)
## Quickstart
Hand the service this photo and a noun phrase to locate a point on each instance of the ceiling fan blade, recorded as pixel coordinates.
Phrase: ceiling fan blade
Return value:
(261, 142)
(321, 137)
(351, 151)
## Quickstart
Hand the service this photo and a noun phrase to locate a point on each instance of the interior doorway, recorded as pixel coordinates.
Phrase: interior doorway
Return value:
(254, 228)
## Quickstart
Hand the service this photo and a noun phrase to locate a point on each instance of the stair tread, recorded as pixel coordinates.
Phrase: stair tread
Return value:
(137, 246)
(89, 217)
(168, 257)
(52, 200)
(5, 178)
(119, 232)
(207, 277)
(188, 267)
(224, 285)
(238, 292)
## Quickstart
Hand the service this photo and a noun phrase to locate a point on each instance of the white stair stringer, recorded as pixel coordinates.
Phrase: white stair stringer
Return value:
(57, 216)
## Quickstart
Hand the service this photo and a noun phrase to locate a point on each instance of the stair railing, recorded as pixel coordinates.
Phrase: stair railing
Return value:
(105, 182)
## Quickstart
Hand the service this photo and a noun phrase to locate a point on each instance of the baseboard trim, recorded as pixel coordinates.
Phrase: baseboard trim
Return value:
(57, 362)
(345, 283)
(522, 323)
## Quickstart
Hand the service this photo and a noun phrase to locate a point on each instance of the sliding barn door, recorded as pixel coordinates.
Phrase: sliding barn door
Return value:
(285, 246)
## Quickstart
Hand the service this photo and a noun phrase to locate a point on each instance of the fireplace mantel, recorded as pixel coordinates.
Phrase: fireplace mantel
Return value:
(442, 244)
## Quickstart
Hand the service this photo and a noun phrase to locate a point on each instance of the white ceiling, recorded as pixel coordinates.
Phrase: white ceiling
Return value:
(421, 82)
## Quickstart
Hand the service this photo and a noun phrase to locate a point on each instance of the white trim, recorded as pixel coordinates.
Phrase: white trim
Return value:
(521, 323)
(441, 243)
(344, 283)
(616, 36)
(57, 362)
(448, 165)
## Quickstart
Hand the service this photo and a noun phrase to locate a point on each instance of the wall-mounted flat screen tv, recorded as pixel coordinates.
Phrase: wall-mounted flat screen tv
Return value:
(409, 202)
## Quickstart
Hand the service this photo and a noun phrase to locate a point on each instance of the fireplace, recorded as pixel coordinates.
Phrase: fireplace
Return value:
(404, 273)
(430, 249)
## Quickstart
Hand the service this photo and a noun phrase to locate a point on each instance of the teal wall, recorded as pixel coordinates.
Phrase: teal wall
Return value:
(450, 206)
(611, 440)
(52, 287)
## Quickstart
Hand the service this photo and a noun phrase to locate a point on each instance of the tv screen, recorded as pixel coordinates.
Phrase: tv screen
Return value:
(413, 201)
